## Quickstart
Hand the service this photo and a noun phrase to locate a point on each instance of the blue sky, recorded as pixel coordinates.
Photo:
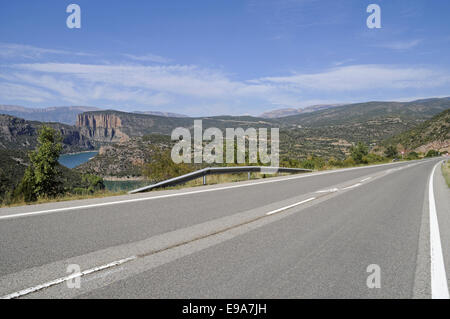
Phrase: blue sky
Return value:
(210, 57)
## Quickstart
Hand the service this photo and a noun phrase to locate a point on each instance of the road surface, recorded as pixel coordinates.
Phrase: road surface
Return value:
(370, 232)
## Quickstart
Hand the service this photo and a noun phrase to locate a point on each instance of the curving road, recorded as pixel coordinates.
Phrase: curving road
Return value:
(301, 236)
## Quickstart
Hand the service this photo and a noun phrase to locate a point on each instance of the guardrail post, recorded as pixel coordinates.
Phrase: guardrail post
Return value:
(249, 175)
(204, 179)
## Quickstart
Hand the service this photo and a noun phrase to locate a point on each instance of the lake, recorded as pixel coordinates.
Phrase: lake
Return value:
(75, 159)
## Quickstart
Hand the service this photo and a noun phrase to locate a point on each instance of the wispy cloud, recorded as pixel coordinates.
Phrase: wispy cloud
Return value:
(362, 77)
(162, 83)
(188, 85)
(14, 50)
(148, 58)
(401, 45)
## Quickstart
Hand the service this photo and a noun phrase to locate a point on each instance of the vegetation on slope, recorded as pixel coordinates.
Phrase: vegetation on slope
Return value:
(39, 176)
(436, 129)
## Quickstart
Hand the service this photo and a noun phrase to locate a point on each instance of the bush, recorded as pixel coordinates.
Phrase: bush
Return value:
(349, 161)
(313, 162)
(373, 158)
(432, 153)
(358, 152)
(335, 162)
(391, 152)
(412, 156)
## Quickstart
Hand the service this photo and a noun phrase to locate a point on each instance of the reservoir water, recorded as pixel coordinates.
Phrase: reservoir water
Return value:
(75, 159)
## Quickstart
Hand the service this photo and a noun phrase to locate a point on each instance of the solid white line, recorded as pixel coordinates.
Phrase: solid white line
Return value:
(439, 288)
(366, 179)
(352, 186)
(290, 206)
(67, 278)
(64, 209)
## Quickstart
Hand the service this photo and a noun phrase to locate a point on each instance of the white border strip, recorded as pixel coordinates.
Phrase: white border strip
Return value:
(439, 288)
(67, 278)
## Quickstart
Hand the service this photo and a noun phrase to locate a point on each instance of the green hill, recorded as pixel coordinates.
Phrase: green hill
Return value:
(432, 134)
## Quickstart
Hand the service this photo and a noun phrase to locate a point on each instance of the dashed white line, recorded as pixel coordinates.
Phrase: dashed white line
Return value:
(290, 206)
(439, 287)
(66, 278)
(331, 190)
(366, 179)
(352, 186)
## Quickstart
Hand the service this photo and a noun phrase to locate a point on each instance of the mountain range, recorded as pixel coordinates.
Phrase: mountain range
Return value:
(292, 111)
(63, 114)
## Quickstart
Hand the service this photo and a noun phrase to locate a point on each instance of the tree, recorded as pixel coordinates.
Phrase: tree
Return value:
(391, 152)
(42, 178)
(358, 152)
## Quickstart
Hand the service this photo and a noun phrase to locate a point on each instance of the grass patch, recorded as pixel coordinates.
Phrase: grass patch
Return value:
(64, 198)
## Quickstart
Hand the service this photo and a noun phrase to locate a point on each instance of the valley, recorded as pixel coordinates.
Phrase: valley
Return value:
(127, 142)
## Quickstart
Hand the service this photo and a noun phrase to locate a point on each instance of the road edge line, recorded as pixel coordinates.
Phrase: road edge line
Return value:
(439, 287)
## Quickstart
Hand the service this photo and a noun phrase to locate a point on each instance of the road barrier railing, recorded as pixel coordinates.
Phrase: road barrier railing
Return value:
(218, 170)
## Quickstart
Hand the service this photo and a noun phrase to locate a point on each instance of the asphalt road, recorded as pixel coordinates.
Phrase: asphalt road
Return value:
(301, 236)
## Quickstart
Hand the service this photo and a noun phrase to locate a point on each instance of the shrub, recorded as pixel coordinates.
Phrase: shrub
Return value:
(391, 152)
(349, 161)
(412, 156)
(358, 152)
(432, 153)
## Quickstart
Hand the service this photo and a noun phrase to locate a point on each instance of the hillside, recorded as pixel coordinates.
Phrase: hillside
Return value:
(115, 126)
(13, 164)
(433, 134)
(408, 113)
(20, 134)
(157, 113)
(125, 159)
(278, 113)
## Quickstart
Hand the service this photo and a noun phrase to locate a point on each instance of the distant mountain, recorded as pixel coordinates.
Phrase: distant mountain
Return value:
(291, 111)
(166, 114)
(433, 134)
(61, 114)
(407, 113)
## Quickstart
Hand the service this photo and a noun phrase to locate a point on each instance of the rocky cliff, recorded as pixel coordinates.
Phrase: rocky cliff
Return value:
(101, 127)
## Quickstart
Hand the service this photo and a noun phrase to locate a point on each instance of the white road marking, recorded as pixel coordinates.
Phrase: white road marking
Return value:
(366, 179)
(439, 288)
(67, 278)
(64, 209)
(290, 206)
(352, 186)
(110, 265)
(331, 190)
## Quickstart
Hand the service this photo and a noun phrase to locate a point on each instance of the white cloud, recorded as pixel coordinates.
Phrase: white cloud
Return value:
(13, 50)
(208, 91)
(401, 45)
(148, 58)
(362, 77)
(12, 91)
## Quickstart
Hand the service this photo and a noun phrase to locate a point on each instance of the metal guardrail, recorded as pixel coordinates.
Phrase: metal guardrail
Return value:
(218, 170)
